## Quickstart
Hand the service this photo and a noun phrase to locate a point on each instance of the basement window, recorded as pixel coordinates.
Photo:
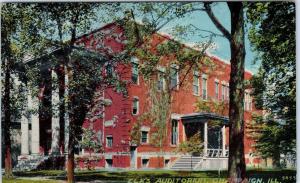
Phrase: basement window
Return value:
(109, 163)
(167, 162)
(145, 163)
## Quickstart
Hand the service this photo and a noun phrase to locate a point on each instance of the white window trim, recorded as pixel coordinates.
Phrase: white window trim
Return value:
(135, 61)
(204, 76)
(218, 89)
(176, 67)
(138, 106)
(163, 80)
(196, 73)
(106, 143)
(177, 140)
(147, 140)
(147, 165)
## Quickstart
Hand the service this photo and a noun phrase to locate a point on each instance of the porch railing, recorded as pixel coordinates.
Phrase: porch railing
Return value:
(215, 153)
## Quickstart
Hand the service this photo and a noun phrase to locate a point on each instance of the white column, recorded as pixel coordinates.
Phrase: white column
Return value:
(205, 139)
(223, 140)
(55, 114)
(25, 129)
(66, 116)
(33, 104)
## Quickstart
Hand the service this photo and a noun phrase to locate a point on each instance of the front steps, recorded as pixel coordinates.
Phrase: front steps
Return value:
(39, 162)
(187, 162)
(29, 162)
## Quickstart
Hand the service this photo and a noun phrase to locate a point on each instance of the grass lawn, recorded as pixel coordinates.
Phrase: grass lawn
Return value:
(28, 181)
(136, 175)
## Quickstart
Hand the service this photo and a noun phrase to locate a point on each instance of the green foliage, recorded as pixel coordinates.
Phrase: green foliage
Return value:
(135, 133)
(272, 35)
(213, 106)
(90, 141)
(193, 145)
(160, 112)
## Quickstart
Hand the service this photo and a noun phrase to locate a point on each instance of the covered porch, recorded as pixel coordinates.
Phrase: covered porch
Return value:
(212, 128)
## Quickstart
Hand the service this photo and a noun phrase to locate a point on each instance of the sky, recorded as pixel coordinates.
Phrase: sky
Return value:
(201, 20)
(222, 50)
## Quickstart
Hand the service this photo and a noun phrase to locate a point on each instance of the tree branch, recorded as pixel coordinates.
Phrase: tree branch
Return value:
(216, 21)
(208, 31)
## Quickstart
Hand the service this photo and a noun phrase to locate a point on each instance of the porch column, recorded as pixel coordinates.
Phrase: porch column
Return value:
(66, 115)
(55, 126)
(223, 140)
(33, 104)
(205, 139)
(24, 128)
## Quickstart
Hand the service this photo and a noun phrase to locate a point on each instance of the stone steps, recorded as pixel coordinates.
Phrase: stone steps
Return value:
(186, 163)
(27, 163)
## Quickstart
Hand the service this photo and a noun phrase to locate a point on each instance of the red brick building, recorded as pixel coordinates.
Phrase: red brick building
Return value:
(114, 129)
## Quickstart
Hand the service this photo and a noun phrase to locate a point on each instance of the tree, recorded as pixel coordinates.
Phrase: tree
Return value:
(236, 161)
(91, 142)
(6, 21)
(192, 145)
(52, 25)
(237, 167)
(13, 17)
(272, 34)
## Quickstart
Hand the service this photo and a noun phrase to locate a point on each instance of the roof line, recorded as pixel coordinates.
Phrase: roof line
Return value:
(208, 54)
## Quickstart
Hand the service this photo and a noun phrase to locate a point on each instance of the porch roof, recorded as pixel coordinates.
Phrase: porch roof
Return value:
(202, 117)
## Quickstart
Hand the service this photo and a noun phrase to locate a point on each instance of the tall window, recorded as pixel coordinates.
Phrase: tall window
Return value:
(223, 92)
(250, 103)
(196, 83)
(217, 90)
(135, 106)
(204, 88)
(109, 141)
(160, 81)
(173, 78)
(174, 135)
(227, 92)
(144, 137)
(135, 71)
(247, 102)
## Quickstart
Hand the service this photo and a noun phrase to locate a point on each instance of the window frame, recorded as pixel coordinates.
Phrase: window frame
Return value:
(161, 80)
(135, 99)
(217, 88)
(107, 140)
(175, 68)
(223, 92)
(147, 163)
(135, 65)
(147, 137)
(174, 139)
(196, 75)
(204, 87)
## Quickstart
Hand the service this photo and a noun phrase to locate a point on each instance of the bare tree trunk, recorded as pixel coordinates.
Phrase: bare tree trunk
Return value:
(7, 121)
(236, 166)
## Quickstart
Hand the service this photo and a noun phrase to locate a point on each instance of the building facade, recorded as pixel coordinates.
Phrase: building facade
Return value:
(113, 130)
